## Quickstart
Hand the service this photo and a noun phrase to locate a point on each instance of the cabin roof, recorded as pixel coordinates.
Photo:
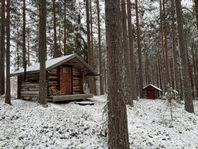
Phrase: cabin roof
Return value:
(157, 88)
(72, 59)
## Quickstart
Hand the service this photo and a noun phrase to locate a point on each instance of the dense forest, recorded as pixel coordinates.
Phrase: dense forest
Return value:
(129, 43)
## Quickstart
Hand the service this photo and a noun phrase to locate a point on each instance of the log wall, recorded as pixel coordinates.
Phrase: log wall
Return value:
(77, 81)
(29, 91)
(53, 79)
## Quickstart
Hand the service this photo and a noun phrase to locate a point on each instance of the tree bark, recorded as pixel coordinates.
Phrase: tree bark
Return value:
(117, 115)
(65, 28)
(166, 61)
(7, 95)
(99, 48)
(2, 50)
(184, 60)
(126, 64)
(24, 39)
(42, 52)
(56, 50)
(89, 47)
(139, 50)
(131, 50)
(175, 65)
(196, 10)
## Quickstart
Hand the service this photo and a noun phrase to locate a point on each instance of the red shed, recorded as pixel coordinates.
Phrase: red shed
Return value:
(151, 91)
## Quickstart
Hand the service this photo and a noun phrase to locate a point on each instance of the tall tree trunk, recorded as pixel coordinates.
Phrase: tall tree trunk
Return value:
(28, 47)
(196, 9)
(162, 45)
(166, 61)
(131, 50)
(89, 46)
(185, 70)
(99, 47)
(88, 30)
(117, 115)
(2, 49)
(92, 79)
(127, 66)
(17, 50)
(24, 39)
(139, 50)
(175, 65)
(7, 95)
(56, 50)
(195, 67)
(42, 52)
(65, 28)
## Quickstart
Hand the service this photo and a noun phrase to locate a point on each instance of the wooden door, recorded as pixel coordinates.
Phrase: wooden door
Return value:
(65, 80)
(150, 94)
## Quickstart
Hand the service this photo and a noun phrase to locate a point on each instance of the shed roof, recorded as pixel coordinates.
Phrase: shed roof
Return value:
(72, 59)
(157, 88)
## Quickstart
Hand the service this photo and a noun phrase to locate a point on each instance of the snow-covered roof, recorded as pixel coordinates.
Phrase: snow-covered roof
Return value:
(52, 63)
(157, 88)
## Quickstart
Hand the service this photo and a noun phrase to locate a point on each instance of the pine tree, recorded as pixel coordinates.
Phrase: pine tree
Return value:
(99, 47)
(139, 50)
(131, 48)
(42, 52)
(196, 9)
(7, 95)
(185, 70)
(2, 49)
(24, 38)
(117, 116)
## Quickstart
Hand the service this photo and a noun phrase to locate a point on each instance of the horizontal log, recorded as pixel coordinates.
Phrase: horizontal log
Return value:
(52, 77)
(76, 84)
(29, 92)
(30, 84)
(30, 98)
(52, 73)
(32, 79)
(29, 89)
(76, 92)
(53, 70)
(77, 96)
(76, 73)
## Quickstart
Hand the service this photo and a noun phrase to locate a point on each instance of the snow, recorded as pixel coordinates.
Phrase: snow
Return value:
(28, 125)
(49, 63)
(150, 126)
(153, 87)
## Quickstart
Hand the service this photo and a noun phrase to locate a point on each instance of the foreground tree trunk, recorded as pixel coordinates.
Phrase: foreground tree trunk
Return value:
(7, 95)
(42, 52)
(117, 115)
(2, 49)
(184, 60)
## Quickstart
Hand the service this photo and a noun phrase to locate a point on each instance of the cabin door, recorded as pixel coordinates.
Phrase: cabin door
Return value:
(65, 80)
(150, 94)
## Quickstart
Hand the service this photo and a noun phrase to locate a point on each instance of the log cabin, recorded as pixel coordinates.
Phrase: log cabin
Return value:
(151, 92)
(64, 79)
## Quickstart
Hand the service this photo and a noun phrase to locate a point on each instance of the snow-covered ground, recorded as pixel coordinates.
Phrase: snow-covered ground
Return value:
(72, 126)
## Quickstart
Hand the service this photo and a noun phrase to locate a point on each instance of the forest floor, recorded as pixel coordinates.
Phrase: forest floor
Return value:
(28, 125)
